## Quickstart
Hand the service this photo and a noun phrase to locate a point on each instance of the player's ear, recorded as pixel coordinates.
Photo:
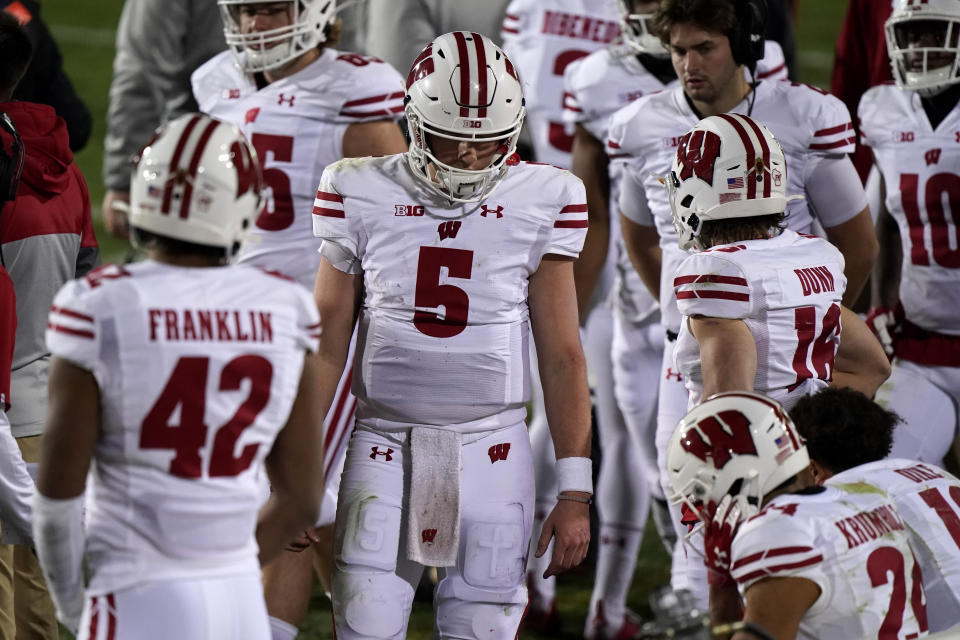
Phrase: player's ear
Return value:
(818, 473)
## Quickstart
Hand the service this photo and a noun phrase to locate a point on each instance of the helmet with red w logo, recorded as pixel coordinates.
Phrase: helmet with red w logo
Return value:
(462, 87)
(738, 443)
(728, 166)
(198, 180)
(923, 40)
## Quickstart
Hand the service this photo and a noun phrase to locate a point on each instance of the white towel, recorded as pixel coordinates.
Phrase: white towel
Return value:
(433, 507)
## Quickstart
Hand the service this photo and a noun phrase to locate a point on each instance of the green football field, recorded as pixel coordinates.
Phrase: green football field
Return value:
(86, 30)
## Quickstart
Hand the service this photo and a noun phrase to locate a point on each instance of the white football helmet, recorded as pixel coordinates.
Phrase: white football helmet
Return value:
(634, 30)
(462, 87)
(738, 443)
(728, 166)
(264, 50)
(923, 40)
(198, 180)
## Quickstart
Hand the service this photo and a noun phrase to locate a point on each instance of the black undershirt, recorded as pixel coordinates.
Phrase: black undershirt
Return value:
(939, 106)
(661, 68)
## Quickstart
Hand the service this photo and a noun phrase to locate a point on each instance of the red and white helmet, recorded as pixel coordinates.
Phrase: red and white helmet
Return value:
(198, 180)
(923, 40)
(462, 87)
(728, 166)
(635, 31)
(738, 443)
(264, 50)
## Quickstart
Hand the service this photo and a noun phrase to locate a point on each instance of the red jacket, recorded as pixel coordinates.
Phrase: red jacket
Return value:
(47, 237)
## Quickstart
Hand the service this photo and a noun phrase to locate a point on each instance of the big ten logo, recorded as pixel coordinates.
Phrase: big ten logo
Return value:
(407, 210)
(471, 124)
(903, 136)
(727, 434)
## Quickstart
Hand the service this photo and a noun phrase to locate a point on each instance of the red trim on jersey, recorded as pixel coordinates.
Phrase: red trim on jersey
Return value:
(571, 224)
(93, 617)
(71, 314)
(482, 97)
(328, 213)
(771, 72)
(512, 16)
(510, 30)
(713, 293)
(570, 208)
(742, 282)
(368, 114)
(819, 146)
(175, 162)
(770, 553)
(829, 131)
(372, 99)
(313, 326)
(612, 144)
(329, 197)
(335, 417)
(780, 567)
(575, 109)
(464, 57)
(194, 165)
(765, 150)
(80, 333)
(112, 617)
(748, 146)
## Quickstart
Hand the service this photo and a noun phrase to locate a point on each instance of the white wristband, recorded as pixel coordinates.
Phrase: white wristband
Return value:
(575, 474)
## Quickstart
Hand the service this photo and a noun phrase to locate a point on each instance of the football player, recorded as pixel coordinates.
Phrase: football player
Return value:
(181, 380)
(797, 559)
(848, 437)
(761, 304)
(303, 105)
(595, 87)
(475, 259)
(913, 129)
(710, 42)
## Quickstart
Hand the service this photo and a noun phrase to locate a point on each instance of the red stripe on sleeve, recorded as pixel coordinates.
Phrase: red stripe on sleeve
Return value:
(329, 197)
(769, 553)
(510, 30)
(829, 131)
(71, 331)
(372, 99)
(819, 146)
(574, 208)
(741, 282)
(328, 213)
(780, 567)
(370, 114)
(571, 224)
(713, 293)
(771, 72)
(71, 314)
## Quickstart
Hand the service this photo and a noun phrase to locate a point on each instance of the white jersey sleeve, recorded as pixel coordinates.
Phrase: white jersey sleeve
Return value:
(773, 64)
(707, 284)
(570, 226)
(330, 220)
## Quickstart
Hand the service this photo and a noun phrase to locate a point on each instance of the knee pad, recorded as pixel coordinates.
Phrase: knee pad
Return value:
(370, 606)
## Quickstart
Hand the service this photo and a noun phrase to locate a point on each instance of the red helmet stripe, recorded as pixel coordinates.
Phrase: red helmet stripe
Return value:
(421, 67)
(748, 146)
(175, 161)
(194, 164)
(482, 97)
(765, 150)
(464, 56)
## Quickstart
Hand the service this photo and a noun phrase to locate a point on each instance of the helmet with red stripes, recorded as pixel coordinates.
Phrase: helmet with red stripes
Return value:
(738, 443)
(263, 50)
(635, 30)
(198, 180)
(728, 166)
(923, 40)
(462, 87)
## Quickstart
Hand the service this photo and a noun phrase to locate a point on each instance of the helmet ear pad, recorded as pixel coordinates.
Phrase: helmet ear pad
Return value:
(747, 36)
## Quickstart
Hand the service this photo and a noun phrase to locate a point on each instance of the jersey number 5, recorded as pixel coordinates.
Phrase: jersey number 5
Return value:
(431, 294)
(281, 148)
(187, 389)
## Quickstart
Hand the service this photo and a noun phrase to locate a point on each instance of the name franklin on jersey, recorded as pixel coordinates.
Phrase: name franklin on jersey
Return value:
(210, 325)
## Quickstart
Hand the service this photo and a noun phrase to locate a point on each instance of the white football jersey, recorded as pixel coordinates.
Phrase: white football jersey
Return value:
(808, 123)
(542, 39)
(198, 369)
(296, 125)
(787, 290)
(921, 174)
(444, 326)
(848, 540)
(928, 500)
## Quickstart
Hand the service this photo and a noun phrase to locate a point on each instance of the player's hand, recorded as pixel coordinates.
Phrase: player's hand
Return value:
(883, 323)
(569, 523)
(116, 208)
(302, 542)
(722, 522)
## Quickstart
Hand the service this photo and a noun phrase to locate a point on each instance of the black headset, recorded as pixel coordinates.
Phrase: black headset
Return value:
(11, 163)
(746, 39)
